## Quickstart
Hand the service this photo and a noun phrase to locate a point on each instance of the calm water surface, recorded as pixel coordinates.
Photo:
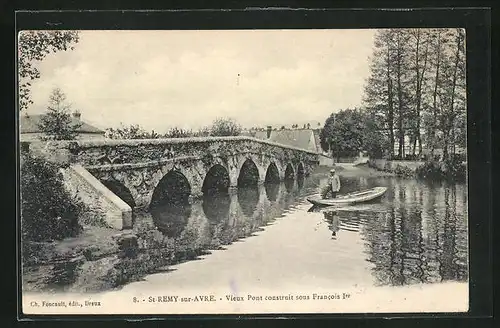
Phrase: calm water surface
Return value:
(417, 233)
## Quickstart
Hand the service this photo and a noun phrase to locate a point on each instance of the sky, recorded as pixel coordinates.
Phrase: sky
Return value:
(186, 79)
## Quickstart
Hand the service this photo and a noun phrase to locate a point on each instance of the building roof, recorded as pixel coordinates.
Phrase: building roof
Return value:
(317, 140)
(299, 138)
(29, 124)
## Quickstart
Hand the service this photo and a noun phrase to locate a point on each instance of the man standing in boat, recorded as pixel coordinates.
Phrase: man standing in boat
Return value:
(333, 186)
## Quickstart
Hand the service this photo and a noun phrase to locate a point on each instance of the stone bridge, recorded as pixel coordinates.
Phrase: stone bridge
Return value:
(143, 173)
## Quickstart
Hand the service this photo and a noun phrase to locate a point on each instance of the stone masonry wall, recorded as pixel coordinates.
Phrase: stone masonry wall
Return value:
(104, 205)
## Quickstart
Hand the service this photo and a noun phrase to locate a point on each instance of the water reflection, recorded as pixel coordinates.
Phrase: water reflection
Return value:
(272, 190)
(289, 184)
(300, 182)
(216, 206)
(221, 218)
(248, 198)
(333, 222)
(416, 233)
(171, 219)
(415, 240)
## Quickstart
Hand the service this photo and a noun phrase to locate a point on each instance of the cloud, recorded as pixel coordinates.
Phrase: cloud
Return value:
(161, 79)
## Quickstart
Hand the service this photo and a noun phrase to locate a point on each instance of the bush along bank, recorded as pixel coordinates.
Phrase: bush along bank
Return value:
(451, 169)
(393, 168)
(48, 211)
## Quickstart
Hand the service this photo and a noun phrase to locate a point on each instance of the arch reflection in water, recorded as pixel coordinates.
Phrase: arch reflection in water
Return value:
(171, 219)
(300, 175)
(272, 191)
(289, 184)
(300, 182)
(216, 206)
(248, 198)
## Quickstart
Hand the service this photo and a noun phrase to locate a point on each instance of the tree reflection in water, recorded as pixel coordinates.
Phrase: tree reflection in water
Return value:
(416, 233)
(415, 240)
(171, 219)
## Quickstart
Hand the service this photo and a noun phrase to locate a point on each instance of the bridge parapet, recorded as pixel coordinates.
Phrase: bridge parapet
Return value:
(114, 151)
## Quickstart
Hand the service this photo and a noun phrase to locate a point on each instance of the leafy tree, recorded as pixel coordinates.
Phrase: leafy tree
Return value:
(133, 131)
(203, 132)
(326, 133)
(343, 132)
(178, 133)
(34, 46)
(402, 82)
(57, 123)
(417, 84)
(379, 88)
(225, 127)
(419, 64)
(375, 142)
(352, 130)
(453, 90)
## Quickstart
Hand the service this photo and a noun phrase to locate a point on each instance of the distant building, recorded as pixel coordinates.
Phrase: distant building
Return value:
(307, 139)
(30, 131)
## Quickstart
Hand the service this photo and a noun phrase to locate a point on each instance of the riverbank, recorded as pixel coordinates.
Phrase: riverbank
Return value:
(350, 170)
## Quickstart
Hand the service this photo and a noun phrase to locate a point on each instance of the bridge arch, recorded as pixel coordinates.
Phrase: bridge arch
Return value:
(272, 173)
(120, 190)
(249, 174)
(173, 188)
(216, 179)
(289, 172)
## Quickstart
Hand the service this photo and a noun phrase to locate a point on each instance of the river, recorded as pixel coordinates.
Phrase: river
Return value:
(417, 233)
(270, 238)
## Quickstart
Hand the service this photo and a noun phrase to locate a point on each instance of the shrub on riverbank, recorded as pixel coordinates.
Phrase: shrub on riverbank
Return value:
(403, 171)
(451, 169)
(455, 169)
(430, 170)
(48, 211)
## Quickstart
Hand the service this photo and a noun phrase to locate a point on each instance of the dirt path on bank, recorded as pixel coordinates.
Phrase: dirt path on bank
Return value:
(362, 170)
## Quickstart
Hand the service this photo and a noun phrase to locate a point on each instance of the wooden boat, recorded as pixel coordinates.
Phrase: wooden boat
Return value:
(350, 198)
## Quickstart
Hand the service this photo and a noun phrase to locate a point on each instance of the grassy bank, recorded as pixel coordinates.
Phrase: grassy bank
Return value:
(362, 170)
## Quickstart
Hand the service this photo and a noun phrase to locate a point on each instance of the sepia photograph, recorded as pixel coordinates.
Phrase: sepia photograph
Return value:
(243, 171)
